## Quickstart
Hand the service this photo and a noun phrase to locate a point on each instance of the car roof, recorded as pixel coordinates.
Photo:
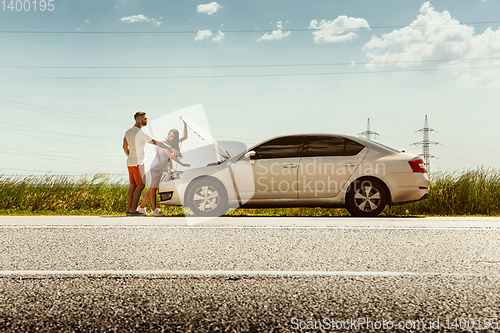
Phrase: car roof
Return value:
(367, 143)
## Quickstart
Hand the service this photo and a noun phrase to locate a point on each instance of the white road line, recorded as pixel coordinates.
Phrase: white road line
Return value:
(102, 226)
(105, 273)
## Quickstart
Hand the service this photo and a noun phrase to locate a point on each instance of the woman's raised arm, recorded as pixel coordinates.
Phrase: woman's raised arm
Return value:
(184, 133)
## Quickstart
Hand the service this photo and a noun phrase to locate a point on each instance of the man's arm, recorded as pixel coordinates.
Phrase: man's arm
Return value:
(164, 146)
(125, 146)
(146, 137)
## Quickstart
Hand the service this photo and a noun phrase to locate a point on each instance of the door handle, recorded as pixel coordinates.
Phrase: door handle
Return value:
(289, 165)
(349, 164)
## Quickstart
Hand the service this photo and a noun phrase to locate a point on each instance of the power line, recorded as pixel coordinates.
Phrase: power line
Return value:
(57, 112)
(58, 140)
(458, 159)
(59, 159)
(31, 170)
(68, 153)
(63, 173)
(469, 154)
(72, 158)
(242, 75)
(234, 31)
(99, 138)
(252, 66)
(136, 93)
(473, 146)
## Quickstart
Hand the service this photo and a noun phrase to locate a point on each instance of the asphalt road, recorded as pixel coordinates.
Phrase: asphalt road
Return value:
(81, 274)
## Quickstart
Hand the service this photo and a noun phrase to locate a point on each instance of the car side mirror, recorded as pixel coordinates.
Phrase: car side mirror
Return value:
(250, 154)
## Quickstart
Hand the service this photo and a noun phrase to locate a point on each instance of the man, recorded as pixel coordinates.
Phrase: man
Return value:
(134, 143)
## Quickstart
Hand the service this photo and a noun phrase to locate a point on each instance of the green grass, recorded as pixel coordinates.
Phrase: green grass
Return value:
(471, 192)
(61, 194)
(100, 194)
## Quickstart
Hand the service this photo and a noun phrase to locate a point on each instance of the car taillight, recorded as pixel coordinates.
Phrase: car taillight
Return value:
(417, 165)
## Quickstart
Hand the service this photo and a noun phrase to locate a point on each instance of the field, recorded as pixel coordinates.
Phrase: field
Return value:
(470, 192)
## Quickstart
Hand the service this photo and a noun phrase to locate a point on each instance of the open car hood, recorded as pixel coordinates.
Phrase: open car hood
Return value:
(206, 137)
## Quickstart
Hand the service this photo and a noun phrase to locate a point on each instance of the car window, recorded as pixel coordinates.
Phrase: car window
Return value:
(279, 148)
(352, 148)
(331, 146)
(325, 146)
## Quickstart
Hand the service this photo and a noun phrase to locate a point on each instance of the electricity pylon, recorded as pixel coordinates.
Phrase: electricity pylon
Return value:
(425, 144)
(368, 133)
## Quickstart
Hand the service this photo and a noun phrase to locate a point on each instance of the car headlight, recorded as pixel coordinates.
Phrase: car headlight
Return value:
(176, 175)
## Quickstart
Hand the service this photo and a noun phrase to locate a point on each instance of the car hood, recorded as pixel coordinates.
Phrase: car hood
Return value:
(206, 137)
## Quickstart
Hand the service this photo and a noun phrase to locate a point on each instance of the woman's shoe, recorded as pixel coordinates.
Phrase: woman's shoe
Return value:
(157, 212)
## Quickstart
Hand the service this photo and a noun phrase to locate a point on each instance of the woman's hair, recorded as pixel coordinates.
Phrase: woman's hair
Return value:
(175, 141)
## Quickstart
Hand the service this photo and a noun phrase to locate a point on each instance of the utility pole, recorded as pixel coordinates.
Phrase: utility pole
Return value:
(425, 144)
(368, 133)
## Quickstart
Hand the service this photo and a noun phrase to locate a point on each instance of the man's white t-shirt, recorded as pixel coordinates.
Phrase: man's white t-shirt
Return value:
(137, 140)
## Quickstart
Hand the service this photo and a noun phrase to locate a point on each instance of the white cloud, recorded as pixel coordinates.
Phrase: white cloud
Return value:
(206, 34)
(202, 34)
(438, 36)
(219, 37)
(276, 34)
(333, 31)
(86, 21)
(209, 8)
(141, 18)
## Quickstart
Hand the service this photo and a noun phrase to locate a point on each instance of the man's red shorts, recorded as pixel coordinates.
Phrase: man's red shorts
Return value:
(136, 175)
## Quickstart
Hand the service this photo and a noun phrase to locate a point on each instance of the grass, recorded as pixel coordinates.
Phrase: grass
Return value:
(471, 192)
(52, 194)
(100, 194)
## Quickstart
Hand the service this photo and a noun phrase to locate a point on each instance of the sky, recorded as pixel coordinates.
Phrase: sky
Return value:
(73, 75)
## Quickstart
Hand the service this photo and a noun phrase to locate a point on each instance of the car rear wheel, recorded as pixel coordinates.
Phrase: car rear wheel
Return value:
(366, 198)
(207, 197)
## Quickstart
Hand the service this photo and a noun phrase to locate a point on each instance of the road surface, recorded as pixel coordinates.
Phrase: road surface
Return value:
(249, 274)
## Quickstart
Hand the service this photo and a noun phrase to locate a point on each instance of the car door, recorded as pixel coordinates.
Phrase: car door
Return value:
(275, 167)
(327, 163)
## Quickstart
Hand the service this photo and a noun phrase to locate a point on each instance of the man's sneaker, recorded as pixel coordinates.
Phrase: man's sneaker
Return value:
(142, 210)
(157, 212)
(128, 213)
(137, 213)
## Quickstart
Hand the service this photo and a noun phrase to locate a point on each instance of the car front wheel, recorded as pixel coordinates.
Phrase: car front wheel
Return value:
(366, 198)
(207, 197)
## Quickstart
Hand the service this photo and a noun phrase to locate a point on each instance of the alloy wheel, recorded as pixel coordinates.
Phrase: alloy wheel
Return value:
(206, 198)
(367, 198)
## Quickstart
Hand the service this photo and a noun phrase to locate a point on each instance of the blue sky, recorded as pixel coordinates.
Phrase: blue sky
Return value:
(391, 61)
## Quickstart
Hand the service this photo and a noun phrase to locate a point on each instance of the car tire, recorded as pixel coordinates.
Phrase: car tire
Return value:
(366, 198)
(207, 197)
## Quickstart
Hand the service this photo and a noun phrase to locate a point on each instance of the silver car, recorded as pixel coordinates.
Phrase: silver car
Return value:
(302, 170)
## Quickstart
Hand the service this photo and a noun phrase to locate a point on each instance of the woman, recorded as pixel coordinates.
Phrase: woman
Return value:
(162, 163)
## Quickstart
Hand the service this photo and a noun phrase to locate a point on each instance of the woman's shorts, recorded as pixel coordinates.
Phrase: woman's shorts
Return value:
(155, 177)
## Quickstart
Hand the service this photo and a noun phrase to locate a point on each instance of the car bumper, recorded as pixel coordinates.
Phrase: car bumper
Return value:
(407, 187)
(172, 192)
